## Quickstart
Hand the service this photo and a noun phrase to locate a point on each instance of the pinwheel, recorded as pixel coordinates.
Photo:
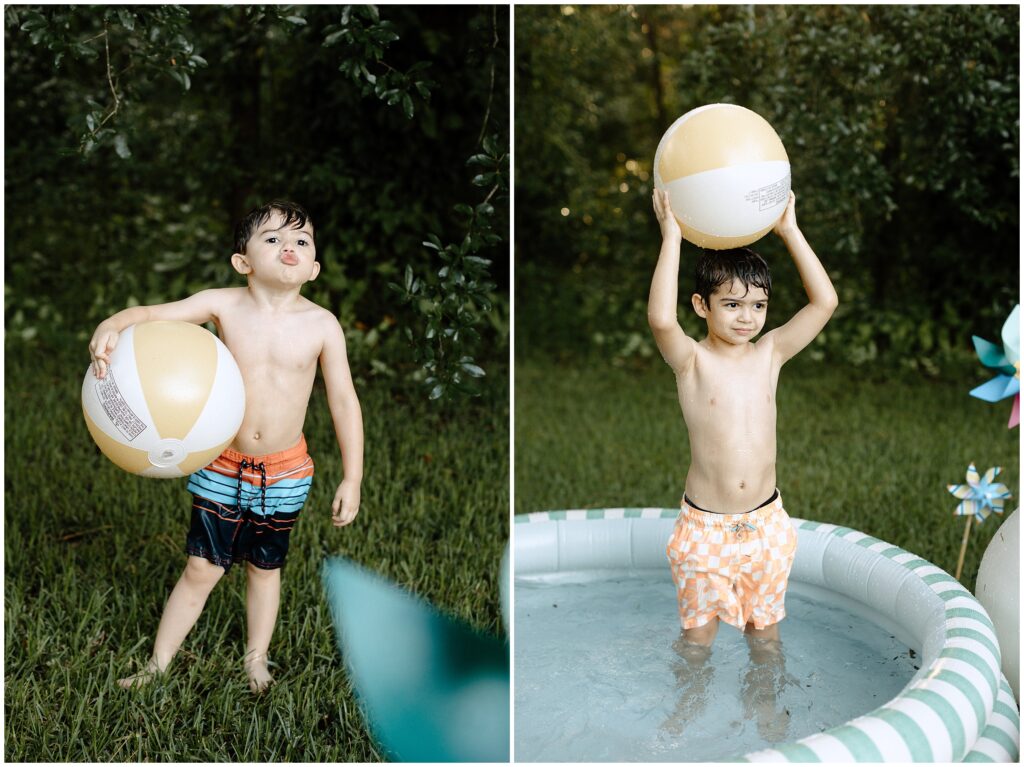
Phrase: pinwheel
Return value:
(1007, 362)
(978, 499)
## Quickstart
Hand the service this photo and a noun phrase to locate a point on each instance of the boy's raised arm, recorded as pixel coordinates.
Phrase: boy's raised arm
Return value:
(790, 338)
(662, 305)
(348, 420)
(197, 309)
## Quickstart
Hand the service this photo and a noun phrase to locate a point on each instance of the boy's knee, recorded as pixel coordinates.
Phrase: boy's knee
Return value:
(202, 572)
(767, 634)
(702, 635)
(262, 574)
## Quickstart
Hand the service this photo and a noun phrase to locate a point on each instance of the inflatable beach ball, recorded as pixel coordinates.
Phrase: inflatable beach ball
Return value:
(171, 401)
(726, 173)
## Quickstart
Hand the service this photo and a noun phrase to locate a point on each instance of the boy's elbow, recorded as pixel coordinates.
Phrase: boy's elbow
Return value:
(832, 302)
(661, 320)
(827, 302)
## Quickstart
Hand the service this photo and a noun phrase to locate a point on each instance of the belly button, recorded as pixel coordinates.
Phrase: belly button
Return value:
(742, 485)
(256, 435)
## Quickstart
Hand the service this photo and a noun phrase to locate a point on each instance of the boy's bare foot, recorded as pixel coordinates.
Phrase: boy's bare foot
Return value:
(144, 677)
(259, 676)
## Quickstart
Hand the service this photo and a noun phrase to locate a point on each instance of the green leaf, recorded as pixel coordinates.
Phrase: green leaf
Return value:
(334, 37)
(407, 106)
(297, 20)
(35, 21)
(126, 18)
(121, 146)
(474, 370)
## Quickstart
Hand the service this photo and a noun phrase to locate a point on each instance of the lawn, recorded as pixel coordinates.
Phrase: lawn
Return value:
(854, 448)
(92, 552)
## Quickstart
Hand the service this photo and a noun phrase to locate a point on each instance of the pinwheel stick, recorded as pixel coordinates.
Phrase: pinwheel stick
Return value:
(963, 548)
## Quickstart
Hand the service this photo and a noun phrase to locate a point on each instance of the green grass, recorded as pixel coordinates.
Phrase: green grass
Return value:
(91, 554)
(871, 454)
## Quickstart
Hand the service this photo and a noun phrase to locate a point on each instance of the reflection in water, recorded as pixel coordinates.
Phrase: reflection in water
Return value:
(763, 682)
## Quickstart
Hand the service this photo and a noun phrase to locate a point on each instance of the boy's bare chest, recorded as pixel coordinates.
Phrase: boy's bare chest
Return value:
(275, 346)
(728, 387)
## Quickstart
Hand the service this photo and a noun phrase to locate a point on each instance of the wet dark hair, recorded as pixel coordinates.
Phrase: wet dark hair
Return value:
(721, 267)
(294, 214)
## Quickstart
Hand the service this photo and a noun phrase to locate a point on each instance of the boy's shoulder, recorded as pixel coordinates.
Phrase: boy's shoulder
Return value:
(316, 311)
(221, 296)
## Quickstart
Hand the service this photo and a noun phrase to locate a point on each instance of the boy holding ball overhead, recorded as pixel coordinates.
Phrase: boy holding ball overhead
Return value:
(733, 545)
(247, 501)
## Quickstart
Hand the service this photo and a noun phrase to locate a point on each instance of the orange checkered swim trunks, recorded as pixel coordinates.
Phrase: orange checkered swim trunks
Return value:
(734, 566)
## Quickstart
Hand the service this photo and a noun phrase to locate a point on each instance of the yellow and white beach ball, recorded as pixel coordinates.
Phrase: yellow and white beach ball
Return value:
(171, 401)
(727, 175)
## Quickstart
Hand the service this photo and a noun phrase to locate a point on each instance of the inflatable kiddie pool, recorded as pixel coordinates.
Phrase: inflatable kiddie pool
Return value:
(956, 707)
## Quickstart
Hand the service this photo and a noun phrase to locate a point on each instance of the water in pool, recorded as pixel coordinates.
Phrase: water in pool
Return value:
(600, 676)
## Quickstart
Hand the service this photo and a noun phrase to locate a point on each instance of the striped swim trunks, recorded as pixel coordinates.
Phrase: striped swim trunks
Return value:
(733, 566)
(244, 507)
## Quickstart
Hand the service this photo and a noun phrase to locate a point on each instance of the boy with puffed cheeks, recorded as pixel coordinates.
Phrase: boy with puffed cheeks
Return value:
(276, 336)
(731, 549)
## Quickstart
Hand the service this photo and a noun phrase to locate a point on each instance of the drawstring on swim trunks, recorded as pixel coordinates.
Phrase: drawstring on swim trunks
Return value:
(738, 528)
(247, 464)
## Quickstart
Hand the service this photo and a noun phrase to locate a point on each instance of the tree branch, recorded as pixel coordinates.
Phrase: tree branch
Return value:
(490, 93)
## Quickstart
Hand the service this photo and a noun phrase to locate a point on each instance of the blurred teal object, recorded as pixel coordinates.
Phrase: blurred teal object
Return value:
(432, 688)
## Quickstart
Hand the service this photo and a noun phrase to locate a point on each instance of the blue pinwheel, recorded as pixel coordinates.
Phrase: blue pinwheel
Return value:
(978, 499)
(1007, 362)
(981, 495)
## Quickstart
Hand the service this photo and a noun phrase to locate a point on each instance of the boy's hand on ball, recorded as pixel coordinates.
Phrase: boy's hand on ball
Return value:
(666, 218)
(346, 503)
(787, 223)
(102, 344)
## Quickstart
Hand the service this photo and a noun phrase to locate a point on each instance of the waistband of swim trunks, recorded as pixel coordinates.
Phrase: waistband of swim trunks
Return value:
(714, 519)
(292, 454)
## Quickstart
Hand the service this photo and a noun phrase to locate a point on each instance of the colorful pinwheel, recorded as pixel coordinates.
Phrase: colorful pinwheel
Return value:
(978, 498)
(1007, 362)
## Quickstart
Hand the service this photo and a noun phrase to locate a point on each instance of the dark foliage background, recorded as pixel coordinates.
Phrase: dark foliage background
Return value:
(902, 127)
(138, 135)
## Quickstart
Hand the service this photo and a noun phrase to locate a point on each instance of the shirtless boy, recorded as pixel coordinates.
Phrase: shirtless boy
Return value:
(246, 502)
(732, 547)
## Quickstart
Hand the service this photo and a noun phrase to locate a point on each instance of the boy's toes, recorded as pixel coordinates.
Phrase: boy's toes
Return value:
(137, 680)
(259, 676)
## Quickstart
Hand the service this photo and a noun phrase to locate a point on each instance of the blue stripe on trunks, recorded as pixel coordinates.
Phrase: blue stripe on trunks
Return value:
(286, 496)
